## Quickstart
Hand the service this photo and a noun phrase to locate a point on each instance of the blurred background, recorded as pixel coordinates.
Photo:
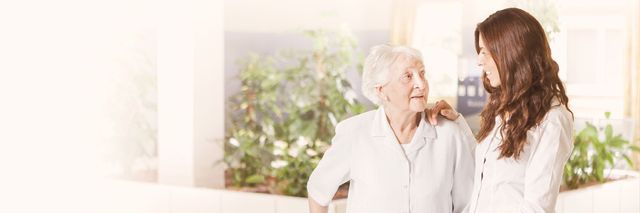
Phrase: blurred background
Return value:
(227, 106)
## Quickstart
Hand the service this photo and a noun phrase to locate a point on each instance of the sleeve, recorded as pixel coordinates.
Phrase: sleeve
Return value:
(463, 168)
(332, 171)
(543, 175)
(464, 126)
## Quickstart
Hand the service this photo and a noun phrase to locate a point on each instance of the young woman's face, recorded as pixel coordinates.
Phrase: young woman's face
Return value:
(488, 65)
(407, 88)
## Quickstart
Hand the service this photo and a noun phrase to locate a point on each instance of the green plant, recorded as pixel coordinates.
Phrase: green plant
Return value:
(284, 116)
(594, 151)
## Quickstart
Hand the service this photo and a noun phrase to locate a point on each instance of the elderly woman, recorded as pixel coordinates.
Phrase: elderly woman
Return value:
(394, 160)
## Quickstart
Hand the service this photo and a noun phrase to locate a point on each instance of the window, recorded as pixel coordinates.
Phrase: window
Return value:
(591, 51)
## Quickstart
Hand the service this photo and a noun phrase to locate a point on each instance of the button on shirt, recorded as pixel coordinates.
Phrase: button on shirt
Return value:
(433, 173)
(531, 183)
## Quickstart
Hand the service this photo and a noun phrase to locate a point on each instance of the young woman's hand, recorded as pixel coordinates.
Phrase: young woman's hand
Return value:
(441, 108)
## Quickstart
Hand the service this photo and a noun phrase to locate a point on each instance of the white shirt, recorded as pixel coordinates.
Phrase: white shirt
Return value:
(411, 156)
(531, 183)
(365, 152)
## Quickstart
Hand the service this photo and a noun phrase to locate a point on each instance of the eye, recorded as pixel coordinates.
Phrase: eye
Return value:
(405, 78)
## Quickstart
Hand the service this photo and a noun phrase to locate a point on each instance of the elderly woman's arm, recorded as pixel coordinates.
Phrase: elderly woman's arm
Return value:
(315, 207)
(464, 166)
(332, 171)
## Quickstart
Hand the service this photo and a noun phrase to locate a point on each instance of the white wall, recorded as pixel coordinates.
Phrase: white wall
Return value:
(175, 91)
(59, 64)
(191, 88)
(289, 15)
(209, 93)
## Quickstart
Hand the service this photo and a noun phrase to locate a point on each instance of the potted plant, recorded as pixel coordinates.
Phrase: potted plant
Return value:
(591, 181)
(595, 150)
(283, 118)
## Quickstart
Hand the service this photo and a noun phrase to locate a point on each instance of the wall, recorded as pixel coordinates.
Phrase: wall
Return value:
(265, 27)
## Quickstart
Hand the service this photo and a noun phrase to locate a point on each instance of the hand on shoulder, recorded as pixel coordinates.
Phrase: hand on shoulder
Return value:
(441, 108)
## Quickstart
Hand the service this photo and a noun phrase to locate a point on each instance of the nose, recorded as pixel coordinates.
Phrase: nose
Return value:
(480, 60)
(418, 83)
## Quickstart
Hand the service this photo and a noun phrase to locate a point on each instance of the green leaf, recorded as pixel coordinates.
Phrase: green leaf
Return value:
(629, 161)
(567, 170)
(255, 179)
(609, 158)
(590, 132)
(607, 114)
(608, 131)
(237, 177)
(617, 142)
(599, 176)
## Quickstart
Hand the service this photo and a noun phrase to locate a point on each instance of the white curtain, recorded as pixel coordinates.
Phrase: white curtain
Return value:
(632, 96)
(402, 21)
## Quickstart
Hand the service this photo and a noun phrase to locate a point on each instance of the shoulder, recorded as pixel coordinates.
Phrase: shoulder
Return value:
(447, 127)
(450, 132)
(446, 124)
(356, 122)
(558, 117)
(555, 133)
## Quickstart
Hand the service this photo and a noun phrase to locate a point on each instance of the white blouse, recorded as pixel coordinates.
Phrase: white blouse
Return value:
(382, 179)
(531, 183)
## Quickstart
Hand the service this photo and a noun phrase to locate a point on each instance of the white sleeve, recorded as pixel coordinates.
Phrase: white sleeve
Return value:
(463, 168)
(332, 171)
(464, 126)
(543, 175)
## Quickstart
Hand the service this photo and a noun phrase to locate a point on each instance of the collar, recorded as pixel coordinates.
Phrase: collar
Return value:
(382, 128)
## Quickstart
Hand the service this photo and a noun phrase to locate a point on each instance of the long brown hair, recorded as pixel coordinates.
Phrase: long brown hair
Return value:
(528, 75)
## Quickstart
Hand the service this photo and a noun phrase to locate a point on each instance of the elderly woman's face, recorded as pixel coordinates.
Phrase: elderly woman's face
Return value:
(407, 88)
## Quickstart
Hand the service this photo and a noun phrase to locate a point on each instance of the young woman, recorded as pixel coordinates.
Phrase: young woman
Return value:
(526, 130)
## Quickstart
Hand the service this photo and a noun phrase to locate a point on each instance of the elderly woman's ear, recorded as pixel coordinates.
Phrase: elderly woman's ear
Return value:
(383, 97)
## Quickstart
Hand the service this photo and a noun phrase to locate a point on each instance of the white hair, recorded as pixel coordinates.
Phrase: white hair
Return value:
(377, 67)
